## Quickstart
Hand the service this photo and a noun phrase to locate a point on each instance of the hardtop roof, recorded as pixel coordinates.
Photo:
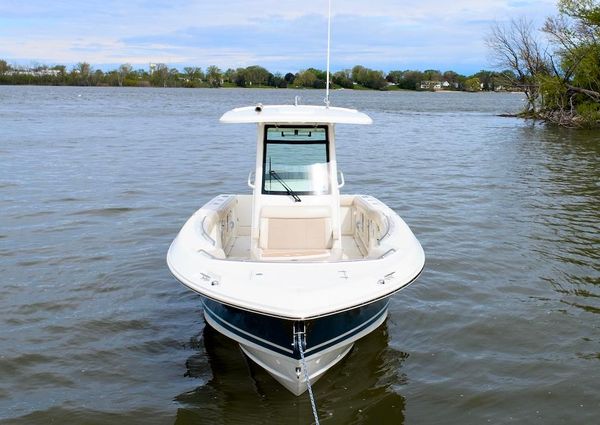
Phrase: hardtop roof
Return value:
(295, 114)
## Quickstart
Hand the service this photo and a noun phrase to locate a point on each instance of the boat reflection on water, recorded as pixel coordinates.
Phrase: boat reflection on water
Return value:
(360, 389)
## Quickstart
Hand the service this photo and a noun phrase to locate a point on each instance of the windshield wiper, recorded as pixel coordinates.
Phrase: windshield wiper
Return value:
(285, 186)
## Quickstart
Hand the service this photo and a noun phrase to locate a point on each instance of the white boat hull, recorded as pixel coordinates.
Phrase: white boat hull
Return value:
(288, 372)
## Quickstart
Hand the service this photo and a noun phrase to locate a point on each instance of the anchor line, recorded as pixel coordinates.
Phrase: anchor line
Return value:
(300, 342)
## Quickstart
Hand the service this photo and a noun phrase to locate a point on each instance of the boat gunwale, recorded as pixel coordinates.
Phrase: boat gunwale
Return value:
(182, 281)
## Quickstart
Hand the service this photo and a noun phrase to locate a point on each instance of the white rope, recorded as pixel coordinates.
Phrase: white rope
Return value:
(328, 54)
(305, 368)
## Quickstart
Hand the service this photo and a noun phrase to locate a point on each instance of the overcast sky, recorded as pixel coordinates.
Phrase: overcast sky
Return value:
(280, 35)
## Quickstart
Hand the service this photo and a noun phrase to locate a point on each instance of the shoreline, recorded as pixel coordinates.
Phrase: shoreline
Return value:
(229, 87)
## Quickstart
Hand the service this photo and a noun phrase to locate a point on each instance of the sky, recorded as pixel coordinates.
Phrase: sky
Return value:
(281, 35)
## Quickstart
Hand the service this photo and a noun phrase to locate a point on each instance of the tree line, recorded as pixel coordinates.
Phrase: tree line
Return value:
(160, 75)
(558, 65)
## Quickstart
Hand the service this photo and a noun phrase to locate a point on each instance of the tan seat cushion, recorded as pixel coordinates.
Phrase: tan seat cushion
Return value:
(298, 233)
(298, 229)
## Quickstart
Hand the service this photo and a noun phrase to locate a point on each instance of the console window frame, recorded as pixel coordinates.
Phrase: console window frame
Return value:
(326, 142)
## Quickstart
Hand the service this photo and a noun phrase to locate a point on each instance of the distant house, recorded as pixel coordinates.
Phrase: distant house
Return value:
(430, 85)
(34, 72)
(50, 72)
(447, 85)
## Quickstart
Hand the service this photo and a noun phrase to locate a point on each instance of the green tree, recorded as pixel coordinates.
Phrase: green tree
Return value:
(4, 67)
(487, 79)
(473, 84)
(289, 77)
(368, 77)
(123, 72)
(256, 75)
(82, 73)
(240, 77)
(214, 76)
(358, 73)
(572, 92)
(394, 76)
(320, 74)
(515, 46)
(343, 79)
(432, 75)
(451, 77)
(410, 80)
(97, 78)
(562, 82)
(277, 80)
(160, 75)
(229, 75)
(112, 78)
(192, 76)
(305, 78)
(61, 78)
(174, 79)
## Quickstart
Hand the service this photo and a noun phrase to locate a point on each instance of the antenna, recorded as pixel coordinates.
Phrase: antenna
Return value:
(328, 54)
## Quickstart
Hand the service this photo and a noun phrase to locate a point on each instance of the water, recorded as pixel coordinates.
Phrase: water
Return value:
(502, 327)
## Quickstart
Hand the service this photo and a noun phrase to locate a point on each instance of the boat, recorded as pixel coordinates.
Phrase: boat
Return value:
(295, 272)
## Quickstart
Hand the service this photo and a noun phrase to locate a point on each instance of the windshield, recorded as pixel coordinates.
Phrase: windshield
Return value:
(296, 157)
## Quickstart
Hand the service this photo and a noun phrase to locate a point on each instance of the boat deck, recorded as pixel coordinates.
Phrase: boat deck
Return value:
(241, 249)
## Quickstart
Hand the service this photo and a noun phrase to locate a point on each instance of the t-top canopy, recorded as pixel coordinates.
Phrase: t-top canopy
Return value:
(292, 114)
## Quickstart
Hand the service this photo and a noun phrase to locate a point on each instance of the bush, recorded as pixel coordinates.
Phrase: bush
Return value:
(589, 114)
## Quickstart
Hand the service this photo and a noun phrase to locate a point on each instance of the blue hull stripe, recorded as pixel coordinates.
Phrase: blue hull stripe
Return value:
(348, 334)
(246, 335)
(276, 334)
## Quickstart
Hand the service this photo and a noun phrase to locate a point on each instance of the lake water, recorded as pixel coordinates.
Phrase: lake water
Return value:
(502, 327)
